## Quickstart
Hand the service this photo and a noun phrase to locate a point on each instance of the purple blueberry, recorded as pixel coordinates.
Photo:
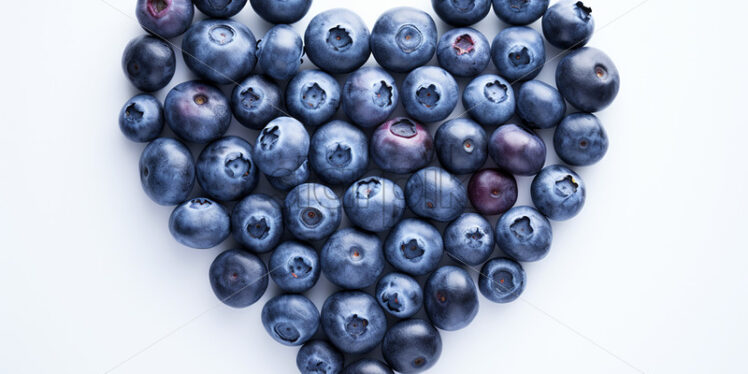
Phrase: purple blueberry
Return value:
(492, 191)
(463, 52)
(149, 63)
(401, 146)
(165, 18)
(517, 150)
(197, 112)
(200, 223)
(294, 267)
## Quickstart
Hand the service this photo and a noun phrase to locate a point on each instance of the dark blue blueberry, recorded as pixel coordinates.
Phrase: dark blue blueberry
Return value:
(281, 147)
(238, 278)
(460, 13)
(197, 112)
(369, 96)
(399, 295)
(255, 102)
(165, 18)
(257, 223)
(580, 139)
(502, 280)
(524, 234)
(279, 52)
(288, 182)
(225, 169)
(450, 298)
(337, 41)
(429, 94)
(220, 8)
(353, 321)
(412, 346)
(339, 152)
(367, 366)
(294, 267)
(281, 11)
(461, 145)
(414, 246)
(141, 118)
(489, 99)
(463, 52)
(313, 97)
(352, 259)
(403, 38)
(492, 191)
(519, 12)
(167, 171)
(588, 79)
(558, 192)
(401, 146)
(469, 239)
(149, 63)
(312, 211)
(200, 223)
(290, 319)
(518, 53)
(568, 24)
(220, 50)
(434, 193)
(319, 357)
(540, 105)
(374, 204)
(517, 150)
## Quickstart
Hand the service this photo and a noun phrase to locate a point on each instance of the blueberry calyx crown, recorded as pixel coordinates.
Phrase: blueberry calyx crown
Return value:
(339, 38)
(428, 96)
(258, 228)
(355, 325)
(566, 186)
(269, 137)
(522, 228)
(237, 165)
(411, 249)
(299, 267)
(409, 38)
(495, 91)
(583, 12)
(157, 7)
(404, 128)
(365, 189)
(464, 44)
(382, 94)
(133, 113)
(314, 96)
(221, 34)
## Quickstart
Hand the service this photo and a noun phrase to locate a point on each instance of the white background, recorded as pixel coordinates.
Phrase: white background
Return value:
(650, 277)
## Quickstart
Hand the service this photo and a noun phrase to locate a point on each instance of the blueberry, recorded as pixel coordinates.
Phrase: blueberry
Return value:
(165, 18)
(540, 105)
(399, 295)
(369, 96)
(352, 259)
(220, 8)
(288, 182)
(141, 118)
(225, 169)
(489, 99)
(353, 321)
(588, 79)
(568, 24)
(313, 97)
(518, 53)
(281, 11)
(294, 267)
(374, 204)
(524, 234)
(339, 153)
(401, 146)
(501, 280)
(558, 192)
(403, 38)
(434, 193)
(460, 13)
(149, 63)
(450, 298)
(197, 112)
(220, 50)
(429, 94)
(469, 239)
(414, 246)
(312, 211)
(580, 139)
(238, 278)
(257, 223)
(517, 150)
(290, 319)
(255, 102)
(200, 223)
(519, 12)
(492, 191)
(463, 52)
(367, 366)
(319, 357)
(167, 171)
(337, 41)
(461, 145)
(281, 147)
(279, 52)
(412, 346)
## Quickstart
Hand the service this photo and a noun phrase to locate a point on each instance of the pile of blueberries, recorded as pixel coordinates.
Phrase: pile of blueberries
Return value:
(221, 51)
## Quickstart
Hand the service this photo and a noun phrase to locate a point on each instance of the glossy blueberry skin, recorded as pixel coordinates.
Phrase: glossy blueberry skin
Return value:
(337, 41)
(370, 96)
(588, 79)
(220, 50)
(200, 223)
(461, 13)
(524, 234)
(339, 152)
(463, 52)
(429, 94)
(313, 97)
(399, 295)
(238, 278)
(450, 298)
(319, 357)
(281, 147)
(461, 145)
(469, 239)
(312, 211)
(197, 112)
(414, 247)
(352, 259)
(141, 118)
(518, 53)
(517, 150)
(492, 191)
(288, 182)
(172, 20)
(434, 193)
(401, 146)
(257, 223)
(367, 366)
(403, 38)
(580, 139)
(279, 52)
(225, 169)
(149, 63)
(294, 267)
(558, 192)
(540, 105)
(374, 204)
(221, 8)
(290, 319)
(519, 12)
(412, 346)
(353, 321)
(502, 280)
(256, 101)
(167, 171)
(281, 11)
(489, 99)
(568, 24)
